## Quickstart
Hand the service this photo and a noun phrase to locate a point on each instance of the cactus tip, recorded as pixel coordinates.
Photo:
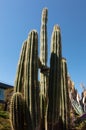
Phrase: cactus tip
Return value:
(45, 9)
(44, 15)
(63, 59)
(32, 31)
(56, 27)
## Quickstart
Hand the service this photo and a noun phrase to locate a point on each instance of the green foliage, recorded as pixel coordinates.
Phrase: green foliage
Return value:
(4, 114)
(81, 126)
(1, 107)
(4, 121)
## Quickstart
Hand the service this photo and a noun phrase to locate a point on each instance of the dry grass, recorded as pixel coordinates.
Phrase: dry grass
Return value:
(4, 120)
(4, 124)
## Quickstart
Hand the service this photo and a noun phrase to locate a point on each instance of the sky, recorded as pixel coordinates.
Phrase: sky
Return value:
(18, 17)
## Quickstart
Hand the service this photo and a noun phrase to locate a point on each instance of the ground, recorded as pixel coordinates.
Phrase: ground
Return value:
(4, 120)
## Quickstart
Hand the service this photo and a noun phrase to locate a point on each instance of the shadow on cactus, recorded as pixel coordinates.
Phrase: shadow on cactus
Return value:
(40, 105)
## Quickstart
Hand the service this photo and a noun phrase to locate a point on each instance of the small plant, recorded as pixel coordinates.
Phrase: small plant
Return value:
(4, 114)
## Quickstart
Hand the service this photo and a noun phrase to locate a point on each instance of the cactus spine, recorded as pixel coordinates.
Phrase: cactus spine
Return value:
(54, 78)
(43, 60)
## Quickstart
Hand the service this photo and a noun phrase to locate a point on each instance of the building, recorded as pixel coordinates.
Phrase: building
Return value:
(3, 88)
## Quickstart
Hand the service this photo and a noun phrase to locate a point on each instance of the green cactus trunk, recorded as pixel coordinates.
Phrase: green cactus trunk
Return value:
(31, 78)
(64, 96)
(19, 81)
(27, 81)
(17, 111)
(54, 79)
(43, 60)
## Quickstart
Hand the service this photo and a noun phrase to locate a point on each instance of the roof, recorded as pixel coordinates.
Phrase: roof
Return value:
(2, 101)
(5, 86)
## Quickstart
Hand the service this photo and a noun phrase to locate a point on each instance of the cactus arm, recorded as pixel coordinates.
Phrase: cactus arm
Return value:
(54, 77)
(31, 77)
(20, 70)
(16, 112)
(43, 61)
(43, 37)
(65, 102)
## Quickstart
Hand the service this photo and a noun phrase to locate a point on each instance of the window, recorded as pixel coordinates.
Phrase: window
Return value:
(1, 94)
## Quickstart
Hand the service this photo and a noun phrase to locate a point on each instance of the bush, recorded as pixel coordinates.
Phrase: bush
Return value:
(4, 114)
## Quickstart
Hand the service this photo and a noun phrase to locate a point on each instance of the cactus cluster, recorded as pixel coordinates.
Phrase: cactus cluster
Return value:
(41, 105)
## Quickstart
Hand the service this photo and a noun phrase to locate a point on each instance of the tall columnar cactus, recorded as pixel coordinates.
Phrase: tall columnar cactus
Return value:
(31, 78)
(43, 37)
(27, 81)
(19, 80)
(43, 107)
(64, 103)
(17, 112)
(43, 60)
(54, 78)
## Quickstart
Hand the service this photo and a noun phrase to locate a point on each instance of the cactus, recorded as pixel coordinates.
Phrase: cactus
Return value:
(16, 111)
(43, 60)
(26, 81)
(43, 37)
(64, 104)
(31, 77)
(54, 78)
(19, 81)
(43, 107)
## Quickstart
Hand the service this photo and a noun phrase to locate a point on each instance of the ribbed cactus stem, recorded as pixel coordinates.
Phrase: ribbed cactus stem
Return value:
(17, 111)
(31, 77)
(50, 111)
(19, 81)
(64, 96)
(54, 77)
(43, 60)
(43, 37)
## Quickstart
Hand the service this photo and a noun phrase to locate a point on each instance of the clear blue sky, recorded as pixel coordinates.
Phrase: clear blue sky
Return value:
(18, 17)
